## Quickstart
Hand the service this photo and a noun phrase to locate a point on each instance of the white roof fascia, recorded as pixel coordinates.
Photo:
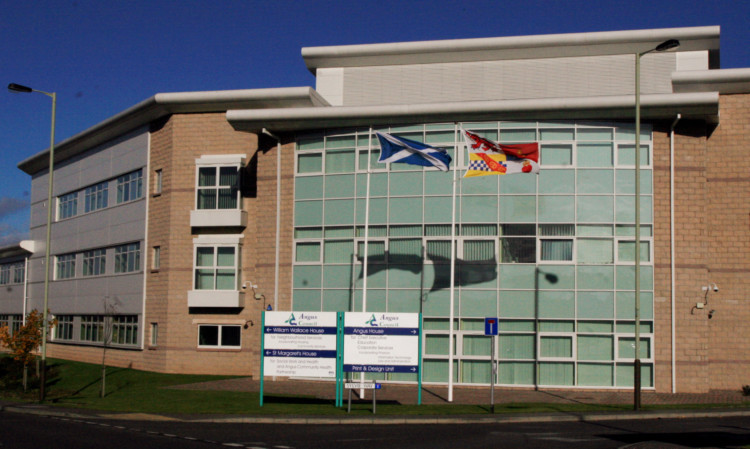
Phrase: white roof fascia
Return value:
(514, 47)
(164, 104)
(704, 105)
(726, 81)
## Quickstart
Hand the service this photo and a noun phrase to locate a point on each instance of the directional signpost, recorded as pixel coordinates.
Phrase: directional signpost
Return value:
(383, 343)
(298, 344)
(491, 330)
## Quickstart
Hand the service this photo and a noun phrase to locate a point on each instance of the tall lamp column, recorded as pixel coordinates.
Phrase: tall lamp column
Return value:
(43, 374)
(664, 46)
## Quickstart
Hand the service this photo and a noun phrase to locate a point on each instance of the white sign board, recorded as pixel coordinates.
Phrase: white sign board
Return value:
(299, 344)
(381, 342)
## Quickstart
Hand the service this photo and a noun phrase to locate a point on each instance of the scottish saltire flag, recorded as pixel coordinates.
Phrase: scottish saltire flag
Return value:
(490, 158)
(397, 149)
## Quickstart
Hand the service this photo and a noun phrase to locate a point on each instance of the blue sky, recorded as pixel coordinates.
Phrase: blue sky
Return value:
(102, 57)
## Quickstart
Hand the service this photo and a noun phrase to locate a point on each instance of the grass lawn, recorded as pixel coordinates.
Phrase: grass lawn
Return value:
(77, 385)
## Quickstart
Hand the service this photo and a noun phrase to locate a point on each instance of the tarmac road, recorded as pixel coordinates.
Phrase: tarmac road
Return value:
(36, 427)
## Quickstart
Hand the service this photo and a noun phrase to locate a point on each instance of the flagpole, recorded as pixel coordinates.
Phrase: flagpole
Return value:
(367, 241)
(453, 266)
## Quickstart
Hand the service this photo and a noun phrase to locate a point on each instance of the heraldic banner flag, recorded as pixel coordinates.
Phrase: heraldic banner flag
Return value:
(397, 149)
(490, 158)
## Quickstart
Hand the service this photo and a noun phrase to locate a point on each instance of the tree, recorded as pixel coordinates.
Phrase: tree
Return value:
(110, 310)
(24, 342)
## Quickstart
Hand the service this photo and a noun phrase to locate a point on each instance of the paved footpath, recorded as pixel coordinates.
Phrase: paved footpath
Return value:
(433, 394)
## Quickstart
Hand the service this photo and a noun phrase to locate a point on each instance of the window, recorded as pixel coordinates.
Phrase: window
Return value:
(215, 268)
(154, 334)
(156, 262)
(95, 197)
(64, 328)
(5, 274)
(219, 336)
(92, 328)
(157, 182)
(125, 329)
(66, 266)
(94, 262)
(67, 205)
(19, 272)
(218, 188)
(128, 258)
(130, 186)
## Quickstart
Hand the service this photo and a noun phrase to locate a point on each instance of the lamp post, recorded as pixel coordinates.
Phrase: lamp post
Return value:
(23, 89)
(664, 46)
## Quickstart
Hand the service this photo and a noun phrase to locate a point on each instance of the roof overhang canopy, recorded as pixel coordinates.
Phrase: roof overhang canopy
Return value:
(164, 104)
(515, 47)
(703, 105)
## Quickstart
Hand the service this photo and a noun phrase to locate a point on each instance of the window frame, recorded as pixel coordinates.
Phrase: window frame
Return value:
(130, 186)
(67, 205)
(65, 266)
(97, 257)
(216, 242)
(96, 197)
(220, 337)
(217, 162)
(123, 255)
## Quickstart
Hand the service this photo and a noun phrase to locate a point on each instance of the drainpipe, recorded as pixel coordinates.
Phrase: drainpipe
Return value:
(278, 218)
(25, 288)
(671, 244)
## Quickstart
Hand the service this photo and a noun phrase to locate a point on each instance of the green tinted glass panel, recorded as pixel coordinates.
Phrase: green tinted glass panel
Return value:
(517, 208)
(310, 143)
(626, 277)
(556, 346)
(556, 373)
(585, 134)
(475, 372)
(517, 304)
(406, 210)
(436, 345)
(337, 276)
(516, 346)
(306, 276)
(515, 135)
(595, 326)
(595, 209)
(626, 348)
(556, 134)
(626, 181)
(625, 209)
(557, 181)
(483, 185)
(556, 209)
(340, 141)
(556, 304)
(378, 211)
(437, 302)
(307, 252)
(557, 326)
(308, 187)
(404, 301)
(517, 326)
(626, 251)
(516, 373)
(595, 375)
(307, 300)
(479, 303)
(595, 181)
(595, 251)
(404, 276)
(475, 208)
(476, 345)
(626, 305)
(339, 186)
(336, 300)
(625, 371)
(403, 184)
(594, 230)
(556, 155)
(438, 183)
(437, 209)
(596, 305)
(308, 213)
(596, 347)
(309, 163)
(626, 155)
(517, 276)
(595, 155)
(593, 277)
(517, 184)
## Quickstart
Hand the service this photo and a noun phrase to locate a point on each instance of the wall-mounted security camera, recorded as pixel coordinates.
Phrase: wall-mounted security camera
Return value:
(715, 287)
(711, 314)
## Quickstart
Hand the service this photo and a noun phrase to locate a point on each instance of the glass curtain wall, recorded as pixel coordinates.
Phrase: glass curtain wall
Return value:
(552, 255)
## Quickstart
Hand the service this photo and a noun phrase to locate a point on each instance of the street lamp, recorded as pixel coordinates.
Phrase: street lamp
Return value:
(667, 45)
(23, 89)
